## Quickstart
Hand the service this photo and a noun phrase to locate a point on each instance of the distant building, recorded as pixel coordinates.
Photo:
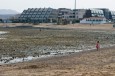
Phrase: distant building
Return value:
(94, 13)
(112, 16)
(63, 15)
(79, 13)
(106, 12)
(39, 15)
(101, 12)
(86, 13)
(94, 20)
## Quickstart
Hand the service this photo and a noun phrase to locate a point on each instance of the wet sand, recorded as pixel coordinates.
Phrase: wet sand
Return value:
(80, 26)
(69, 26)
(90, 63)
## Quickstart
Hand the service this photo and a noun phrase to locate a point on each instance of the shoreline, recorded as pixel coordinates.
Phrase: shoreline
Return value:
(72, 54)
(84, 63)
(51, 54)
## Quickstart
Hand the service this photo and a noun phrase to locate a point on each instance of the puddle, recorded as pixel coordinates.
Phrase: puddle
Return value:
(3, 32)
(9, 60)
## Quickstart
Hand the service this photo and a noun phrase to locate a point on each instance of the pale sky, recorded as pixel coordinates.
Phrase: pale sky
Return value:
(20, 5)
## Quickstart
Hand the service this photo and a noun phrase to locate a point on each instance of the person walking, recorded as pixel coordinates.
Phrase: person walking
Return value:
(97, 45)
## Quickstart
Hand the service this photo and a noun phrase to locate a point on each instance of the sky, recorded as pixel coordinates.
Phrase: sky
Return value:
(20, 5)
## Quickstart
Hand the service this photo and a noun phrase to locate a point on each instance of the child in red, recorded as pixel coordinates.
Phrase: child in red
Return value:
(97, 45)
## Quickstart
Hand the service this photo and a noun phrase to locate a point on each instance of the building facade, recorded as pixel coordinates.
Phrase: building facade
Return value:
(106, 12)
(94, 13)
(94, 20)
(63, 15)
(79, 13)
(38, 15)
(112, 16)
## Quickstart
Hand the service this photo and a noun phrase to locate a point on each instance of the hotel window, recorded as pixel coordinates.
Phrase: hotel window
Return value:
(95, 11)
(27, 12)
(97, 20)
(34, 13)
(93, 14)
(21, 16)
(93, 20)
(100, 12)
(89, 19)
(92, 11)
(41, 16)
(47, 16)
(29, 15)
(44, 12)
(47, 12)
(37, 15)
(24, 16)
(33, 16)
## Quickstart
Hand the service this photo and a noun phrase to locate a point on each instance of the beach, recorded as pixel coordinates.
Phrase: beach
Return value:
(45, 39)
(90, 63)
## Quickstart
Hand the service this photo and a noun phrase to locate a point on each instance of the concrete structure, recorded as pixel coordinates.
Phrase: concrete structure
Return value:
(94, 13)
(39, 15)
(86, 13)
(112, 16)
(63, 15)
(79, 13)
(94, 20)
(106, 12)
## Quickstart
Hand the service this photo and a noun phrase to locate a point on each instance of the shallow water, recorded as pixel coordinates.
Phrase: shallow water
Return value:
(3, 32)
(9, 60)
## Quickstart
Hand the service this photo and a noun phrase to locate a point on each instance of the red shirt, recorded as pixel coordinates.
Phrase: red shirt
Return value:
(97, 45)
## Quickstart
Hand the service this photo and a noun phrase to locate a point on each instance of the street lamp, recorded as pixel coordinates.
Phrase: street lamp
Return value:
(75, 12)
(75, 4)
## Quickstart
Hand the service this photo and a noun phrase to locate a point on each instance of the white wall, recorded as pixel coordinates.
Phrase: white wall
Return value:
(93, 22)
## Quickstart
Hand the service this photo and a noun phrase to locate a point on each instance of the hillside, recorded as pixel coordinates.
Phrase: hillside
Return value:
(7, 13)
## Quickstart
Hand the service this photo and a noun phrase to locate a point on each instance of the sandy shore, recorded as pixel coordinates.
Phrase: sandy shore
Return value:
(90, 63)
(80, 26)
(86, 63)
(69, 26)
